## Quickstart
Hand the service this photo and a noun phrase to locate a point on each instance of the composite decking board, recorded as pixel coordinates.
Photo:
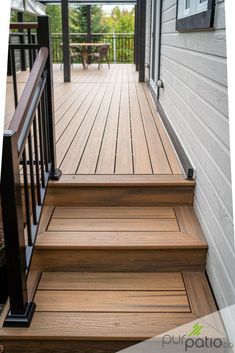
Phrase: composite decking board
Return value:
(159, 160)
(133, 141)
(97, 326)
(115, 225)
(120, 228)
(169, 149)
(76, 110)
(123, 180)
(118, 212)
(90, 156)
(116, 240)
(124, 160)
(141, 158)
(111, 281)
(106, 160)
(111, 301)
(77, 147)
(62, 325)
(66, 158)
(68, 101)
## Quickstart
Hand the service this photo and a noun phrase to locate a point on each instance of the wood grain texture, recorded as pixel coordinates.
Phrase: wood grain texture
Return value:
(126, 260)
(111, 281)
(115, 225)
(62, 326)
(117, 240)
(105, 124)
(67, 346)
(111, 301)
(199, 293)
(149, 196)
(117, 212)
(122, 180)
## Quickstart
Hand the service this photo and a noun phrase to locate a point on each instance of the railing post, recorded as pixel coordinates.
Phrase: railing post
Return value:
(114, 47)
(20, 18)
(44, 40)
(21, 310)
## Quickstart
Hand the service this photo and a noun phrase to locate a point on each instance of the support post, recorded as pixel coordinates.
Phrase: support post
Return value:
(65, 40)
(44, 40)
(21, 310)
(136, 38)
(20, 18)
(88, 13)
(142, 32)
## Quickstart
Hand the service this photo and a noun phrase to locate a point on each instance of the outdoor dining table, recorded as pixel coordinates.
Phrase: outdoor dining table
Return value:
(84, 50)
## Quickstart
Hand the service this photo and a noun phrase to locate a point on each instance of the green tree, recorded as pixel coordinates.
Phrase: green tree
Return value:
(78, 19)
(121, 21)
(54, 11)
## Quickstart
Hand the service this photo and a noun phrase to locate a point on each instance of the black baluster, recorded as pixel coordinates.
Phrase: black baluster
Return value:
(35, 138)
(32, 184)
(42, 159)
(27, 201)
(13, 68)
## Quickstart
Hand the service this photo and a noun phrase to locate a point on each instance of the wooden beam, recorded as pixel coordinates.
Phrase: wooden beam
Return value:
(141, 37)
(65, 38)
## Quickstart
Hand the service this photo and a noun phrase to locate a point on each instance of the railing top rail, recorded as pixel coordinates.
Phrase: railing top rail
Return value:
(27, 96)
(23, 25)
(100, 33)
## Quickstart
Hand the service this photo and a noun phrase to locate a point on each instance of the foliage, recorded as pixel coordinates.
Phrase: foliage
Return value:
(78, 19)
(54, 11)
(121, 21)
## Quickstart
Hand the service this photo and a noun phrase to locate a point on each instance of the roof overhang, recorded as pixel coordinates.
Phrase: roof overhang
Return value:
(33, 7)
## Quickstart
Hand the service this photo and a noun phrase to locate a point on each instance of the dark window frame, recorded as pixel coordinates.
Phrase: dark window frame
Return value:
(198, 21)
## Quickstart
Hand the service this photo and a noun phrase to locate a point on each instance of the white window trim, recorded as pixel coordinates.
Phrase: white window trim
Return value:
(195, 7)
(202, 6)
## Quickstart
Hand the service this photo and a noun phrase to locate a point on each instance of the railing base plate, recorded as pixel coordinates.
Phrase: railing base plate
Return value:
(23, 320)
(56, 174)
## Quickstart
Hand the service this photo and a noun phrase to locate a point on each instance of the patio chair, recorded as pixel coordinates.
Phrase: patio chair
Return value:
(74, 55)
(101, 55)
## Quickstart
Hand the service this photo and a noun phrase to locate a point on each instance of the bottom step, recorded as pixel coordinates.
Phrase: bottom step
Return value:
(107, 312)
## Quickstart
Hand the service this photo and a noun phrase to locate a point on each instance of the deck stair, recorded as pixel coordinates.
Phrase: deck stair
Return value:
(105, 278)
(120, 256)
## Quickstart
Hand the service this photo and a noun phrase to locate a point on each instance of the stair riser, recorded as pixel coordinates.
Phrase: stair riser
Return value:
(120, 196)
(67, 346)
(119, 260)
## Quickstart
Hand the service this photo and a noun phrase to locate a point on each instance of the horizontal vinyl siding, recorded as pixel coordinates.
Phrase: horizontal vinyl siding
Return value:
(194, 74)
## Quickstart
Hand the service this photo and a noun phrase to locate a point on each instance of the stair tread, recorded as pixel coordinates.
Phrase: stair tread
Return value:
(52, 318)
(121, 227)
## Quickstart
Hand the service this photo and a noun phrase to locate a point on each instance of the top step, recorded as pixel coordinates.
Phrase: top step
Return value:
(120, 190)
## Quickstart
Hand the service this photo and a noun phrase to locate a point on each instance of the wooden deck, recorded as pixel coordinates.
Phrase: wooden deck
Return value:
(106, 124)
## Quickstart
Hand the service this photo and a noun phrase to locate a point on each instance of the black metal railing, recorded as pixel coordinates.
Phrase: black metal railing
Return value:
(121, 48)
(28, 162)
(22, 51)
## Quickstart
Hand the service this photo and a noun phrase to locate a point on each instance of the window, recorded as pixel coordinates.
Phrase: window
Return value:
(194, 14)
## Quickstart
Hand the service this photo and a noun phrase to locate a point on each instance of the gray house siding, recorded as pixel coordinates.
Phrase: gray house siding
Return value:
(194, 73)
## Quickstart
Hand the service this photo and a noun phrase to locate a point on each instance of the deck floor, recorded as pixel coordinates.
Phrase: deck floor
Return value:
(106, 123)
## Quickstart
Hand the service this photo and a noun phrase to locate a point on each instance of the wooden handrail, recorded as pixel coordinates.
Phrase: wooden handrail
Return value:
(29, 91)
(23, 25)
